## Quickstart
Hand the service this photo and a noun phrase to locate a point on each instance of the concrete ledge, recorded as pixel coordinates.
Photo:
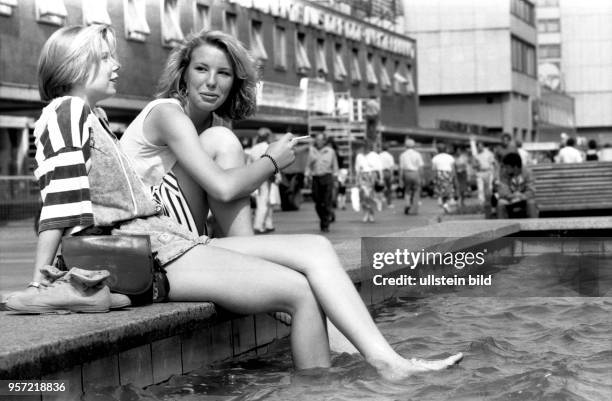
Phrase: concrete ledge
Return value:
(149, 344)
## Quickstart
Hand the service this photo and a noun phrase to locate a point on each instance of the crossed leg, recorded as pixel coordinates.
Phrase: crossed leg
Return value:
(315, 258)
(248, 285)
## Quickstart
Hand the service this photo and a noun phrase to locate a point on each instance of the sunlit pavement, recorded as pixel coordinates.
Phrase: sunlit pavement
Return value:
(18, 240)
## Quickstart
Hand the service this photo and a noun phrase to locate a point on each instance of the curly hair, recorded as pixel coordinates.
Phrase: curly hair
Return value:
(241, 101)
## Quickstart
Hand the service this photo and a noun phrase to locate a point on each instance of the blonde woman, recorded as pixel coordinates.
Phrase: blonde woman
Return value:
(266, 273)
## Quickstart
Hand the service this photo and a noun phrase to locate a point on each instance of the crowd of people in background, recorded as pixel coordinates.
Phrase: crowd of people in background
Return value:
(496, 175)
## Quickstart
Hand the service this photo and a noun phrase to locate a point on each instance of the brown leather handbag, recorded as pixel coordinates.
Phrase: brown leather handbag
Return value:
(128, 259)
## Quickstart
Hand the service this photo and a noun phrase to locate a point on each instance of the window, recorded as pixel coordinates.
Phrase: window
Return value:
(340, 73)
(6, 7)
(550, 51)
(410, 82)
(95, 12)
(385, 81)
(370, 73)
(355, 70)
(202, 16)
(524, 10)
(280, 47)
(549, 25)
(258, 50)
(399, 80)
(172, 34)
(301, 55)
(230, 24)
(320, 58)
(51, 12)
(523, 57)
(136, 27)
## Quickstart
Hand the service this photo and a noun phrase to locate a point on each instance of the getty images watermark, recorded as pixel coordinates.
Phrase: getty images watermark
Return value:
(501, 267)
(414, 259)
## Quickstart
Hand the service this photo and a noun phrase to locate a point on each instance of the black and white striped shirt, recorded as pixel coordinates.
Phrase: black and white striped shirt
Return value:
(62, 161)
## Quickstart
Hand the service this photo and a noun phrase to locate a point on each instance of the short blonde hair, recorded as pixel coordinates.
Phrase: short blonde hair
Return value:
(241, 101)
(68, 56)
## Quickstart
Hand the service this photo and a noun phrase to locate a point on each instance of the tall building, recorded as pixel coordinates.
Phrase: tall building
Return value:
(477, 64)
(310, 51)
(575, 56)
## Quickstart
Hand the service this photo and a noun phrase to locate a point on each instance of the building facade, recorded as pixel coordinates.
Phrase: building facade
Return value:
(309, 52)
(477, 63)
(575, 56)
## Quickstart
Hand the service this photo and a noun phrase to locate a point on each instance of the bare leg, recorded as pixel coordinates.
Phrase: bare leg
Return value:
(234, 218)
(246, 284)
(336, 294)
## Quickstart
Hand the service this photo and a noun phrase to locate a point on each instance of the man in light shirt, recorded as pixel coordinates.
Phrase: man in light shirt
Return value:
(388, 166)
(411, 171)
(569, 154)
(485, 165)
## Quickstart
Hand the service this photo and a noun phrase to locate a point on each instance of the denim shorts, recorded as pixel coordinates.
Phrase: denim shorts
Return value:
(169, 240)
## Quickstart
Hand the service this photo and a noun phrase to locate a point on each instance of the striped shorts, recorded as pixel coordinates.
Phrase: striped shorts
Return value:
(169, 195)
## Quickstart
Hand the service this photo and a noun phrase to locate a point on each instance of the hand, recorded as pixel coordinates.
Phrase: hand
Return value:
(282, 151)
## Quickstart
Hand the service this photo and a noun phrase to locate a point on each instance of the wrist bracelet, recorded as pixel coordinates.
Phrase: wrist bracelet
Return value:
(35, 284)
(276, 169)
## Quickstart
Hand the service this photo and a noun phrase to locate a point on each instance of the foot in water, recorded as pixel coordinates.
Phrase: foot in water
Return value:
(406, 367)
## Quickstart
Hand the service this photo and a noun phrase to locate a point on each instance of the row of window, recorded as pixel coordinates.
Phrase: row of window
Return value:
(524, 10)
(54, 12)
(137, 29)
(401, 82)
(549, 51)
(523, 57)
(549, 25)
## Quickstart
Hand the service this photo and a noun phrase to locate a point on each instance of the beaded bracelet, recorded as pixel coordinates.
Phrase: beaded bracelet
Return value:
(276, 169)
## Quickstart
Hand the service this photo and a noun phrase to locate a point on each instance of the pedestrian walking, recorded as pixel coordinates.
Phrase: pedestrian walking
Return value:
(376, 167)
(462, 165)
(263, 222)
(388, 168)
(365, 179)
(322, 167)
(411, 173)
(443, 165)
(485, 166)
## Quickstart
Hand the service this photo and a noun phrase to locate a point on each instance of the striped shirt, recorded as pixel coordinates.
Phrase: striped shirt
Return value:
(62, 162)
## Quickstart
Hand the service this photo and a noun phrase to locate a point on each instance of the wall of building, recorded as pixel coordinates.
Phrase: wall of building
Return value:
(586, 59)
(464, 46)
(466, 59)
(22, 38)
(481, 109)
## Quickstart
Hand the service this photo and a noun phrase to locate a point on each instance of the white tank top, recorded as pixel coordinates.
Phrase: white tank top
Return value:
(150, 161)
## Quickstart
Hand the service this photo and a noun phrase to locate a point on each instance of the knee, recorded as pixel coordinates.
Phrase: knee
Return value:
(223, 146)
(319, 244)
(301, 295)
